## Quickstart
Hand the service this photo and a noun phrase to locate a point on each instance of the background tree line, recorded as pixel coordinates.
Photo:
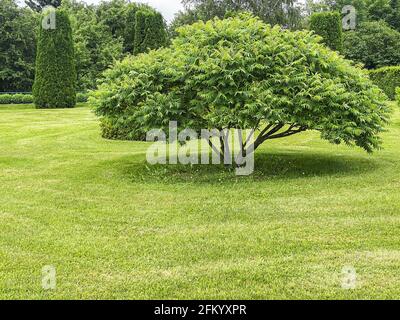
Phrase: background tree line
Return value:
(109, 31)
(102, 34)
(375, 42)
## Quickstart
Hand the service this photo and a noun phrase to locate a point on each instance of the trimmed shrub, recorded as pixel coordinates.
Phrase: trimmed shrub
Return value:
(387, 78)
(329, 26)
(398, 95)
(150, 31)
(17, 98)
(55, 80)
(241, 73)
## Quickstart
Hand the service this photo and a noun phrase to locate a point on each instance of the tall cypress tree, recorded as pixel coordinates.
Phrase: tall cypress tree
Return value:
(150, 31)
(55, 80)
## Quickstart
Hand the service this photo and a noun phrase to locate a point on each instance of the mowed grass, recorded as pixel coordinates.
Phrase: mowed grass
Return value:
(117, 228)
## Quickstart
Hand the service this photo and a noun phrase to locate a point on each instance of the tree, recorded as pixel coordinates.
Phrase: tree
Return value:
(113, 15)
(130, 26)
(55, 79)
(241, 73)
(394, 17)
(94, 46)
(38, 5)
(120, 17)
(17, 47)
(337, 5)
(367, 10)
(283, 12)
(386, 10)
(374, 44)
(150, 31)
(329, 26)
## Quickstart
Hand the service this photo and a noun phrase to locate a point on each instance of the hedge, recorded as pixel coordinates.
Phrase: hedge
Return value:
(55, 79)
(387, 78)
(18, 98)
(398, 95)
(329, 26)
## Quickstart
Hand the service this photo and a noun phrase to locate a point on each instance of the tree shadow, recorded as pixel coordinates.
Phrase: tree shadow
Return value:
(276, 165)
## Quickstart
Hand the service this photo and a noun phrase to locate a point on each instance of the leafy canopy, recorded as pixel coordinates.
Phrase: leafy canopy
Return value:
(94, 46)
(241, 73)
(282, 12)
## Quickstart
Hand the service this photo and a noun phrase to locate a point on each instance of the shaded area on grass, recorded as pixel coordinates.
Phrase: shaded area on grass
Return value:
(277, 165)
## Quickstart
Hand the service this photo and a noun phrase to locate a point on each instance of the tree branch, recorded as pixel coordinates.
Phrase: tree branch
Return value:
(288, 133)
(271, 134)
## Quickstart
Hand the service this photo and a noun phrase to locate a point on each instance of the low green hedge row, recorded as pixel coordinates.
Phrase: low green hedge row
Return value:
(19, 98)
(398, 95)
(388, 79)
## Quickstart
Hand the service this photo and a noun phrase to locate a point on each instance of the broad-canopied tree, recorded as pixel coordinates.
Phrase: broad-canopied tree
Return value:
(241, 73)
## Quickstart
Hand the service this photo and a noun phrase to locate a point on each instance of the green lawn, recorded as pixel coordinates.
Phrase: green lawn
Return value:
(116, 228)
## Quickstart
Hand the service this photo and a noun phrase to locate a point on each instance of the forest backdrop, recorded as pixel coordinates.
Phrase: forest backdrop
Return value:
(111, 30)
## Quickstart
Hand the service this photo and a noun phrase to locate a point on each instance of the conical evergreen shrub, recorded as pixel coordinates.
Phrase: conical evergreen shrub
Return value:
(55, 78)
(150, 31)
